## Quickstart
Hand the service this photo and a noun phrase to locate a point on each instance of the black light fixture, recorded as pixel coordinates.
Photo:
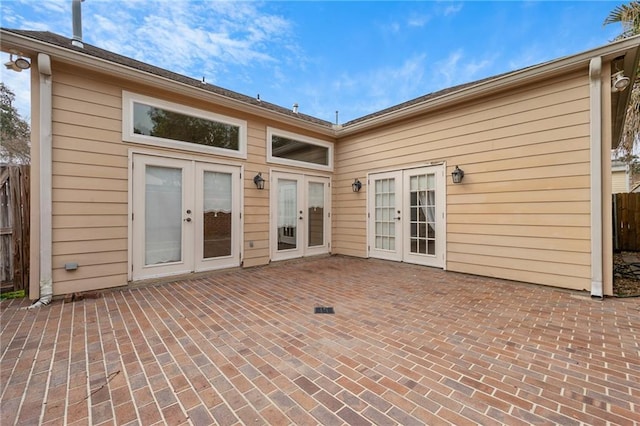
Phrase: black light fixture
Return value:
(356, 185)
(259, 181)
(457, 175)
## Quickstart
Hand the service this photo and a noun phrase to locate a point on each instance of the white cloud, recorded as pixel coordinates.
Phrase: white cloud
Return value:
(192, 38)
(370, 91)
(418, 21)
(457, 68)
(452, 9)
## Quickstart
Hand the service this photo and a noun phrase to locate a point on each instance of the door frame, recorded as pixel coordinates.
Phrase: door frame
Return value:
(195, 160)
(402, 253)
(302, 179)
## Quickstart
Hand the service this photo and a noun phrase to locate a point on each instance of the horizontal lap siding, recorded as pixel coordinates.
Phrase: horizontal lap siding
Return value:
(89, 184)
(90, 178)
(522, 211)
(256, 208)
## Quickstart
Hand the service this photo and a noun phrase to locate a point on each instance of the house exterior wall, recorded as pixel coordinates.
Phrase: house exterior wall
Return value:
(523, 209)
(91, 178)
(619, 180)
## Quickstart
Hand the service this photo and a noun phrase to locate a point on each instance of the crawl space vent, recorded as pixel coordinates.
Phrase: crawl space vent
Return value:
(324, 310)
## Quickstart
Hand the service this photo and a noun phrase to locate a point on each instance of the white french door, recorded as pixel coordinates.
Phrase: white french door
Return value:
(186, 216)
(300, 221)
(406, 215)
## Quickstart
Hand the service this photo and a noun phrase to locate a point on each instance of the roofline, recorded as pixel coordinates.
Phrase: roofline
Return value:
(31, 46)
(469, 91)
(544, 70)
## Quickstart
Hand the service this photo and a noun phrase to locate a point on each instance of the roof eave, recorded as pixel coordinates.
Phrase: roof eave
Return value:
(542, 71)
(30, 47)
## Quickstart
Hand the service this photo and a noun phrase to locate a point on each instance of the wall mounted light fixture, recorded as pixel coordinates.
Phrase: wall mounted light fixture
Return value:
(619, 82)
(457, 175)
(259, 181)
(17, 64)
(356, 185)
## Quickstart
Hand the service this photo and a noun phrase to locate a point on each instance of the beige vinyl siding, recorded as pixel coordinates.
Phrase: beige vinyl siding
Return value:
(89, 184)
(256, 202)
(619, 181)
(91, 172)
(523, 209)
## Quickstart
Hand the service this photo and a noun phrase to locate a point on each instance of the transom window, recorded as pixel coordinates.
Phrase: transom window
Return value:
(156, 122)
(296, 150)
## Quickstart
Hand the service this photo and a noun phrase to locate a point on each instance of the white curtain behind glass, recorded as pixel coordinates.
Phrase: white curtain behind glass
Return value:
(427, 202)
(163, 215)
(217, 192)
(316, 195)
(287, 203)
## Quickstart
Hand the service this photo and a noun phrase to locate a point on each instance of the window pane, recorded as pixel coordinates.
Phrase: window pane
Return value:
(316, 214)
(161, 123)
(291, 149)
(163, 215)
(287, 214)
(216, 215)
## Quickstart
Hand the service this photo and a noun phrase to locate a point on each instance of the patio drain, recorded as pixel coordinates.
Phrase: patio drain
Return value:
(324, 310)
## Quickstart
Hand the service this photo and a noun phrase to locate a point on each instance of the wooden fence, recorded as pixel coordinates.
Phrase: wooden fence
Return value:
(626, 222)
(14, 228)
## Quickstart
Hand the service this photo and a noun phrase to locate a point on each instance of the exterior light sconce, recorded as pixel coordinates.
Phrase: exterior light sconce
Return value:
(356, 185)
(17, 64)
(259, 181)
(457, 175)
(619, 82)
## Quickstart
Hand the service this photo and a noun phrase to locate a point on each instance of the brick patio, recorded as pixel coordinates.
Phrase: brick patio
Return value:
(406, 345)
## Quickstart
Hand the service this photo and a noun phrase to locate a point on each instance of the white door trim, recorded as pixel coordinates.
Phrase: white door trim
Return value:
(402, 251)
(192, 259)
(300, 234)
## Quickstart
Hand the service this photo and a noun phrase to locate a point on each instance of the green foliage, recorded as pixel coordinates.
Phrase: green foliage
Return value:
(14, 130)
(628, 15)
(186, 128)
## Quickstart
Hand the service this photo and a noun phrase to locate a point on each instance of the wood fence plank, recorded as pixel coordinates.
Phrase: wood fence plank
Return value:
(627, 224)
(14, 220)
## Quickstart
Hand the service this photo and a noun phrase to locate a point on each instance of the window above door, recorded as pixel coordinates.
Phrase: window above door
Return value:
(297, 150)
(157, 122)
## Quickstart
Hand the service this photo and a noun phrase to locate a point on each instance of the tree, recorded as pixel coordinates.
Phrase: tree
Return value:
(14, 130)
(628, 15)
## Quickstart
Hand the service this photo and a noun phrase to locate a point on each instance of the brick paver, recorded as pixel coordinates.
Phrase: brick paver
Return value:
(406, 345)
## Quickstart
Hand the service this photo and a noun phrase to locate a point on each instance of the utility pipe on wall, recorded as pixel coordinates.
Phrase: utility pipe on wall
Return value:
(595, 87)
(45, 142)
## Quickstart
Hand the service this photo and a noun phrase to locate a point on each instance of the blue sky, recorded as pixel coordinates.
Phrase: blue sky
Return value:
(354, 57)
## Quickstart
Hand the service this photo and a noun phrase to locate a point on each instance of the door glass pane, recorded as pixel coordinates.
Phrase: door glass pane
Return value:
(315, 215)
(422, 214)
(163, 215)
(287, 214)
(385, 214)
(216, 217)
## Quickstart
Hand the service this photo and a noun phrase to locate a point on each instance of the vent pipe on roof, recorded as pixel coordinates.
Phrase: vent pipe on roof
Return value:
(76, 9)
(295, 108)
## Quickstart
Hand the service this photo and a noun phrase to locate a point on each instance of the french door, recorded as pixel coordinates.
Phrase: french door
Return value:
(406, 215)
(186, 216)
(300, 221)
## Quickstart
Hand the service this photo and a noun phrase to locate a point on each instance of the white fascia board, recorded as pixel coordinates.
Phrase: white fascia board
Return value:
(516, 78)
(545, 70)
(30, 46)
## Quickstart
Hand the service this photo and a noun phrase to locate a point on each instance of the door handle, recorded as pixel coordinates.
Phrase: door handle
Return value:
(188, 219)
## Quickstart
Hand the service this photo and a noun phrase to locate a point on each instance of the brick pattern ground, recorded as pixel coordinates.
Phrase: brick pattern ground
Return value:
(406, 345)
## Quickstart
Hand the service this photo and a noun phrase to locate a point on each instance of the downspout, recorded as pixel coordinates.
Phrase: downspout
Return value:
(595, 86)
(46, 284)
